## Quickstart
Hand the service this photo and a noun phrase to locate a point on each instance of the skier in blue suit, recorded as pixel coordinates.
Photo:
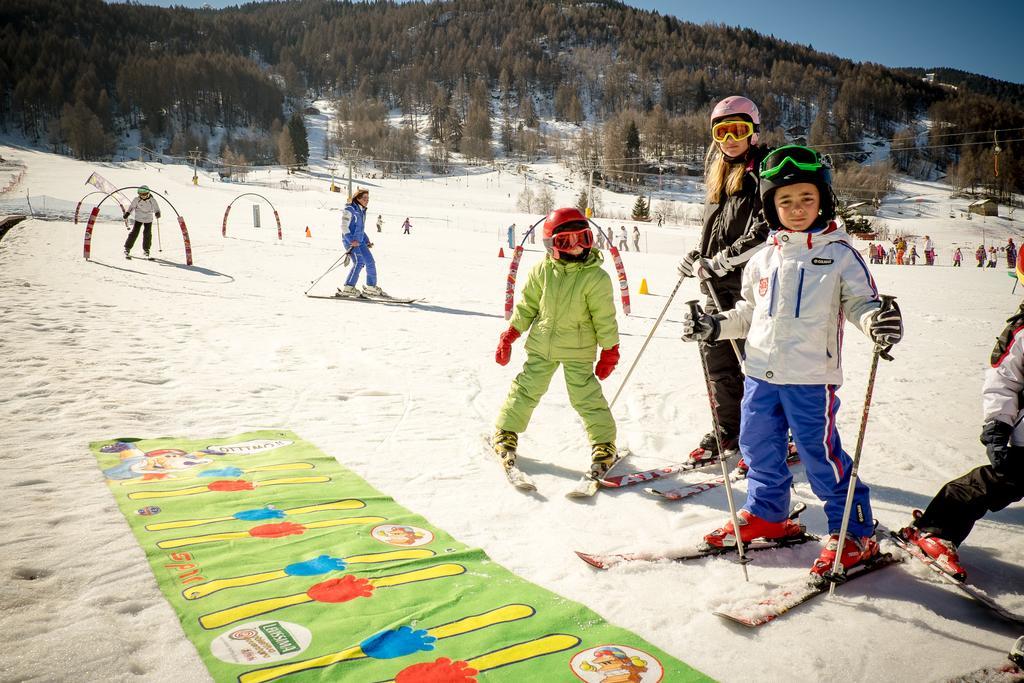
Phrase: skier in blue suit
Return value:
(353, 234)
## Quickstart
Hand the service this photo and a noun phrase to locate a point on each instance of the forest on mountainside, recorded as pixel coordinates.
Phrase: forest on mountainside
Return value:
(78, 74)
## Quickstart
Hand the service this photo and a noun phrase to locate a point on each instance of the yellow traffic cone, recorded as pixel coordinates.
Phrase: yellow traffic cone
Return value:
(643, 286)
(308, 233)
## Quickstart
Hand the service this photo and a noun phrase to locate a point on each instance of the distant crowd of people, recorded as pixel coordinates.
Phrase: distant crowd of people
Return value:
(901, 253)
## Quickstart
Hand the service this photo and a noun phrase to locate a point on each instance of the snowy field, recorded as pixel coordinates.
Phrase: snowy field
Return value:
(115, 348)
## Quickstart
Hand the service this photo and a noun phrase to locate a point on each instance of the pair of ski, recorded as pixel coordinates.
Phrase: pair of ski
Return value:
(586, 487)
(969, 589)
(769, 606)
(365, 298)
(684, 491)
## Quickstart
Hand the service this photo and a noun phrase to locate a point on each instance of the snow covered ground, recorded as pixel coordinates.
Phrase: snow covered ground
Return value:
(112, 348)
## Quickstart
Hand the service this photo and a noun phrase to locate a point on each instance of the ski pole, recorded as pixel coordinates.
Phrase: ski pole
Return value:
(333, 266)
(695, 312)
(159, 241)
(718, 304)
(836, 575)
(646, 341)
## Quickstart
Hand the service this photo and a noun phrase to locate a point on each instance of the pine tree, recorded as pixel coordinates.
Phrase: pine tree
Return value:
(285, 150)
(581, 201)
(300, 143)
(641, 210)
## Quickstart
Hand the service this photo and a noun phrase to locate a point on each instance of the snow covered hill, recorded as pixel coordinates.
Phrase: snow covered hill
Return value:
(110, 348)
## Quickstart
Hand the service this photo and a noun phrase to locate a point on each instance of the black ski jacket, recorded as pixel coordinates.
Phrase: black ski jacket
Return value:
(736, 226)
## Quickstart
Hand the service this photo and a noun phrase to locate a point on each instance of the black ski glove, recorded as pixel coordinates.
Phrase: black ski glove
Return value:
(703, 328)
(126, 216)
(995, 436)
(158, 214)
(886, 326)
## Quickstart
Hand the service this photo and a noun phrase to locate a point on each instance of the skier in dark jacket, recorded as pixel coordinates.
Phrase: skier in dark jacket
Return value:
(951, 514)
(733, 232)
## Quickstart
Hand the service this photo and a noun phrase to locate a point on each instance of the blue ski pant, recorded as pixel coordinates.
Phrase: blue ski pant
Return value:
(361, 257)
(809, 412)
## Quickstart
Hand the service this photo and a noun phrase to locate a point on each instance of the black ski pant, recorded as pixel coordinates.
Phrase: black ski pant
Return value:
(962, 502)
(147, 237)
(724, 369)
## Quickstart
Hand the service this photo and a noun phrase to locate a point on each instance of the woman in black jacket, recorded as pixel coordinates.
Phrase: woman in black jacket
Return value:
(733, 232)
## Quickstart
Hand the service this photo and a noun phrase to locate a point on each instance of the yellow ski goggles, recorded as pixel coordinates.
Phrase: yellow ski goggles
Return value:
(737, 130)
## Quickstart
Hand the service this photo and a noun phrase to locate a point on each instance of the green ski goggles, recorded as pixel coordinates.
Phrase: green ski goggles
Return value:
(798, 156)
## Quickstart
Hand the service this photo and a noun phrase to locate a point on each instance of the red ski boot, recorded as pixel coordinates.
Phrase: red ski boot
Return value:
(939, 549)
(708, 447)
(751, 527)
(855, 551)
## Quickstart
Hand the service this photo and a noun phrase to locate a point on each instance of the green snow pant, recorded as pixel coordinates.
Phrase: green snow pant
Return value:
(585, 395)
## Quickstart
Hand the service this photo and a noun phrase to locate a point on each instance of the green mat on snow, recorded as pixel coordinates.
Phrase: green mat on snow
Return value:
(283, 565)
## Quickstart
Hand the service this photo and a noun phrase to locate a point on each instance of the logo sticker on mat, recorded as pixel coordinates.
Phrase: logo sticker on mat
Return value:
(258, 642)
(401, 535)
(248, 447)
(607, 663)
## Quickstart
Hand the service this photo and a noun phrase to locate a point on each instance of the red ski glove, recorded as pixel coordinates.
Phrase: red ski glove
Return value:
(504, 352)
(607, 362)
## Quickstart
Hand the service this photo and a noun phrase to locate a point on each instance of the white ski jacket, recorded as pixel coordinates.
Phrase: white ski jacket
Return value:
(144, 209)
(1004, 380)
(797, 293)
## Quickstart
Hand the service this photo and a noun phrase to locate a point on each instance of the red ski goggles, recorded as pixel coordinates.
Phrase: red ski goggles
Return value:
(737, 130)
(564, 241)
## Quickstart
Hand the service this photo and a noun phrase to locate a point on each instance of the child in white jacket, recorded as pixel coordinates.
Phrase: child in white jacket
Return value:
(145, 207)
(797, 295)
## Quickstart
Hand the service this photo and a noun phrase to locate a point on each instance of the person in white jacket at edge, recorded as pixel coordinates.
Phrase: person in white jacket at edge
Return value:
(960, 503)
(796, 296)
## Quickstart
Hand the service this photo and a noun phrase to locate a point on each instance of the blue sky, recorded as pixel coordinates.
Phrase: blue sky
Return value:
(982, 36)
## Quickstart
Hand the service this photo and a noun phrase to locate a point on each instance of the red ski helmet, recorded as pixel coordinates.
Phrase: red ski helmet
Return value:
(561, 220)
(737, 105)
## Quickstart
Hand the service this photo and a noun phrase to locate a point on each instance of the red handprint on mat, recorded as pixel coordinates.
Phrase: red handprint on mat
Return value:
(344, 589)
(278, 530)
(230, 485)
(442, 670)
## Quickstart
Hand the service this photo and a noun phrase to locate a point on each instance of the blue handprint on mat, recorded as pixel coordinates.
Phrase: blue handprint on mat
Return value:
(397, 642)
(318, 565)
(222, 472)
(257, 514)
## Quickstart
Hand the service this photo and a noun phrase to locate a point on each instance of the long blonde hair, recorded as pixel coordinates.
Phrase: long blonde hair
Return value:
(719, 174)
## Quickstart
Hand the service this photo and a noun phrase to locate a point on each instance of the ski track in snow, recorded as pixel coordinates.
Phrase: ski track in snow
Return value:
(401, 395)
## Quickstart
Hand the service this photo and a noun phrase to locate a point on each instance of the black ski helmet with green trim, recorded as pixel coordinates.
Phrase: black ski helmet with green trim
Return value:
(790, 174)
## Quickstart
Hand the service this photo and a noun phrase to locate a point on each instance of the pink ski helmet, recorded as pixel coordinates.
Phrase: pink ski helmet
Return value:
(736, 105)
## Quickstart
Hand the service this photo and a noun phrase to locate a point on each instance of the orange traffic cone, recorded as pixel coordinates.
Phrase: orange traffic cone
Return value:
(308, 233)
(501, 252)
(643, 286)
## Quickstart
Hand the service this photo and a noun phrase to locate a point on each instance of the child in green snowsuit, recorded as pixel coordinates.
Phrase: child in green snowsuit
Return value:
(567, 305)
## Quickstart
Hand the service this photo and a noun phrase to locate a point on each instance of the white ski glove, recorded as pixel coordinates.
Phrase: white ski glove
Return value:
(686, 266)
(718, 265)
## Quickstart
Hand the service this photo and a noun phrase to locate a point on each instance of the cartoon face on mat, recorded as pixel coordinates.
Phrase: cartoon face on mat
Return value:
(135, 463)
(397, 534)
(616, 664)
